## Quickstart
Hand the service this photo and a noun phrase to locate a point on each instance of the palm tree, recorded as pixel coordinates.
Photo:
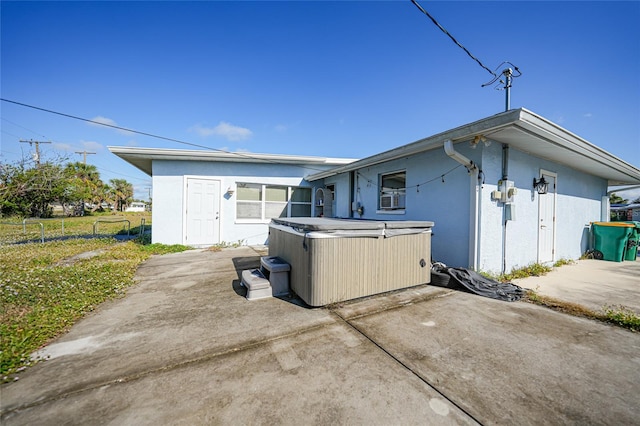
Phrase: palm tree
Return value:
(616, 199)
(121, 193)
(85, 184)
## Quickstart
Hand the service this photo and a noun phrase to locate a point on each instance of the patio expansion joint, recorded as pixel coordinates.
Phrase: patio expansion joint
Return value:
(404, 365)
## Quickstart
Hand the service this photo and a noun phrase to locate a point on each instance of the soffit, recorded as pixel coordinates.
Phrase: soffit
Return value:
(142, 158)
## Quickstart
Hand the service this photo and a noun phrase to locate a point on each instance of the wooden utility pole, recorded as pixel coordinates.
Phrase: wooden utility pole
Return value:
(84, 161)
(37, 156)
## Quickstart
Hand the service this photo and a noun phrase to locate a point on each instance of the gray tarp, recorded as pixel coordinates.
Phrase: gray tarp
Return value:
(483, 286)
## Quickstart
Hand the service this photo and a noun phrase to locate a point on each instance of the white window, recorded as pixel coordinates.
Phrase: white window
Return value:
(249, 201)
(393, 188)
(275, 204)
(261, 203)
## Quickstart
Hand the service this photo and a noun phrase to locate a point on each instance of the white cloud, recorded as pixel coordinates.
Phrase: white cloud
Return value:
(588, 115)
(101, 121)
(224, 129)
(62, 146)
(91, 145)
(141, 191)
(97, 121)
(281, 128)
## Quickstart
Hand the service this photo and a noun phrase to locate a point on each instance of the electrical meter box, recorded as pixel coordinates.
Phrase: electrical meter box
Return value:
(509, 211)
(507, 191)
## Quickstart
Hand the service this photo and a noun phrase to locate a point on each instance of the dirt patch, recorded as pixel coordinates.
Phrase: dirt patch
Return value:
(81, 256)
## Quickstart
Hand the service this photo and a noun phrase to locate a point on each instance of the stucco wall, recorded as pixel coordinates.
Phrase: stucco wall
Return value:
(449, 205)
(577, 204)
(427, 198)
(169, 197)
(342, 202)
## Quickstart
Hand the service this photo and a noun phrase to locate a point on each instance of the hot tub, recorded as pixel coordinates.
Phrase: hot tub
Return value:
(333, 260)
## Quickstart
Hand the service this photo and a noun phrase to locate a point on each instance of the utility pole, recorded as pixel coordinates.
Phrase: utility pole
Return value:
(84, 153)
(30, 142)
(508, 77)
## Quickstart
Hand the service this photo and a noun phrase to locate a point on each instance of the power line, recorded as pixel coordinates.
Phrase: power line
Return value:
(25, 128)
(10, 134)
(239, 154)
(122, 174)
(453, 38)
(108, 125)
(508, 73)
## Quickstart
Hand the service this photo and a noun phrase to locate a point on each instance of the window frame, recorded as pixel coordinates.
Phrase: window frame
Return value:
(400, 192)
(263, 202)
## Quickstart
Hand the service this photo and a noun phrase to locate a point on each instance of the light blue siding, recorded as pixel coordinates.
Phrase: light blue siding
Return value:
(427, 198)
(501, 245)
(169, 196)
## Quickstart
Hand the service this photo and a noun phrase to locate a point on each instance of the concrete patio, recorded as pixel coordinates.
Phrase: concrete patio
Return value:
(185, 347)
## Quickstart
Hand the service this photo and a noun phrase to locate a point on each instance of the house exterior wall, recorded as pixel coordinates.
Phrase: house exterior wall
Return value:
(501, 245)
(342, 201)
(168, 208)
(169, 196)
(579, 204)
(505, 245)
(427, 198)
(490, 215)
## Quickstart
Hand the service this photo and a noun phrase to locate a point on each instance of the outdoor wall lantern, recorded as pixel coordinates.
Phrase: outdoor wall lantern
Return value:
(230, 191)
(541, 185)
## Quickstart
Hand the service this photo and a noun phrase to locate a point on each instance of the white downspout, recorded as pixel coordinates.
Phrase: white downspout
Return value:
(474, 206)
(451, 152)
(474, 201)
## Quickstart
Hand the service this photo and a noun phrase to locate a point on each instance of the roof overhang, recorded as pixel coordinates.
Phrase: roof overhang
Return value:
(142, 158)
(525, 131)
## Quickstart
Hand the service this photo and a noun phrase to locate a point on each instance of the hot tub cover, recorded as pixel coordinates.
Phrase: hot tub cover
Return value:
(320, 227)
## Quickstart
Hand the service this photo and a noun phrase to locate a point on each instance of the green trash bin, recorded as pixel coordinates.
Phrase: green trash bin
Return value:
(611, 238)
(631, 252)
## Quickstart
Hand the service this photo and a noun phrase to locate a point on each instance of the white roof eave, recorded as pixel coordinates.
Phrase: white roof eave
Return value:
(524, 131)
(142, 158)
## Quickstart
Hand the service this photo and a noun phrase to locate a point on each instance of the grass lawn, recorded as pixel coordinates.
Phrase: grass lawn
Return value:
(44, 290)
(14, 230)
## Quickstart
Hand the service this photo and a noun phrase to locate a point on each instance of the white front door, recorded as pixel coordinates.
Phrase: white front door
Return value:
(547, 220)
(203, 212)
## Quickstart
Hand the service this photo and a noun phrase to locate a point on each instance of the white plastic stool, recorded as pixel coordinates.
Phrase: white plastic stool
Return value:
(257, 284)
(276, 270)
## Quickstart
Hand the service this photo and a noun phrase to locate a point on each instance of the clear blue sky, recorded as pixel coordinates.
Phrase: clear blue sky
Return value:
(340, 79)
